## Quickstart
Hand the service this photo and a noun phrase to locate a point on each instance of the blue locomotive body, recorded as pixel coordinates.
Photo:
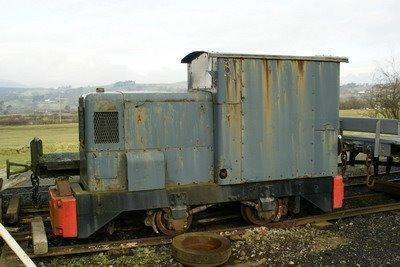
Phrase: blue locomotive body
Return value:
(256, 129)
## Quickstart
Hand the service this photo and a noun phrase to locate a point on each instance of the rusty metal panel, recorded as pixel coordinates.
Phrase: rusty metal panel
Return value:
(192, 165)
(179, 125)
(275, 119)
(104, 170)
(103, 102)
(278, 114)
(163, 96)
(145, 170)
(106, 166)
(228, 142)
(327, 95)
(325, 151)
(103, 164)
(228, 122)
(326, 122)
(163, 124)
(230, 82)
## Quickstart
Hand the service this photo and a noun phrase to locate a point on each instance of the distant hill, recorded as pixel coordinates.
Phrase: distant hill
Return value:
(26, 100)
(354, 89)
(10, 84)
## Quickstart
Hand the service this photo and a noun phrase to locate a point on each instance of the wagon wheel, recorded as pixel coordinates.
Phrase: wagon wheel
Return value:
(252, 215)
(166, 225)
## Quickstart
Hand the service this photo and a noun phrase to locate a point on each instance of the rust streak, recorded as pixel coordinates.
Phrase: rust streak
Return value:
(238, 80)
(300, 66)
(227, 79)
(228, 119)
(267, 94)
(233, 69)
(300, 75)
(140, 126)
(300, 78)
(267, 104)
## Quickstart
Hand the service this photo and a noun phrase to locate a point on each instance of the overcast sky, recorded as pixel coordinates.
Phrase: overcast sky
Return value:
(53, 43)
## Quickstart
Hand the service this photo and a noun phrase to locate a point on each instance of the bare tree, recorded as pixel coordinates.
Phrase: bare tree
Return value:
(384, 97)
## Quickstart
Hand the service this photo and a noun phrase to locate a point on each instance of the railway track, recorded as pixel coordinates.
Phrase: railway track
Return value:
(28, 212)
(365, 196)
(163, 240)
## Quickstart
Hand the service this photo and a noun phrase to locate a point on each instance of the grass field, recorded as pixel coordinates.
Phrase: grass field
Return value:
(14, 140)
(354, 113)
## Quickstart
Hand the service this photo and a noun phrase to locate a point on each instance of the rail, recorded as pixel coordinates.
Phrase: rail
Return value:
(162, 240)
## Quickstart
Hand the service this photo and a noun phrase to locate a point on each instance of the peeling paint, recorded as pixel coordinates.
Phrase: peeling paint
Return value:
(267, 120)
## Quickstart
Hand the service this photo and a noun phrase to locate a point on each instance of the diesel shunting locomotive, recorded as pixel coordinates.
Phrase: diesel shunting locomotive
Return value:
(260, 130)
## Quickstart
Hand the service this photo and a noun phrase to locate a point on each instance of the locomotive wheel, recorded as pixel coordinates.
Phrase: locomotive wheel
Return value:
(253, 216)
(244, 212)
(165, 225)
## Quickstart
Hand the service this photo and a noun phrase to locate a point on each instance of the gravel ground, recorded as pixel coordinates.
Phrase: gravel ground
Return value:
(364, 240)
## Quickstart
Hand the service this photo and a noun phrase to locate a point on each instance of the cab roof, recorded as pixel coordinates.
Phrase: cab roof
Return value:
(193, 55)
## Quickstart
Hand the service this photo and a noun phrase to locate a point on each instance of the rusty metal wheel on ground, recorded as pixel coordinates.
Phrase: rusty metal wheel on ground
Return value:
(164, 225)
(201, 249)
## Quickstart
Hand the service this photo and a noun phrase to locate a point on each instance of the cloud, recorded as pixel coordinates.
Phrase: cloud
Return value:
(50, 43)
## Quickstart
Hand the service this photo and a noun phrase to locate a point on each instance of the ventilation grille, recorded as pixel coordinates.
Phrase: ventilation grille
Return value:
(106, 127)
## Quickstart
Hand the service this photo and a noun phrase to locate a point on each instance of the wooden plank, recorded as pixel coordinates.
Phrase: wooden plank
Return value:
(39, 238)
(14, 206)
